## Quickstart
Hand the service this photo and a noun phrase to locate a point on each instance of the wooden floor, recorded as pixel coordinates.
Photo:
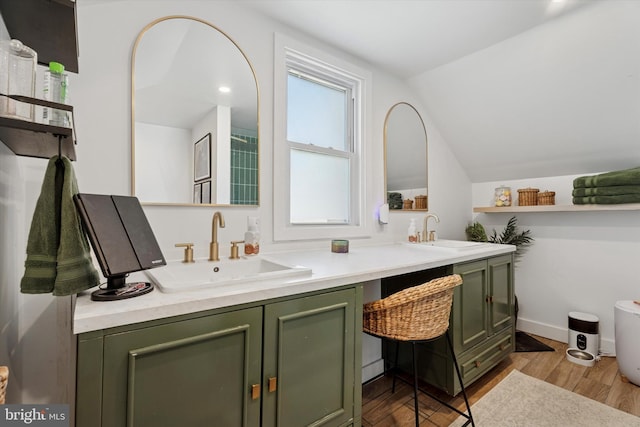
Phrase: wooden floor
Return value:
(601, 382)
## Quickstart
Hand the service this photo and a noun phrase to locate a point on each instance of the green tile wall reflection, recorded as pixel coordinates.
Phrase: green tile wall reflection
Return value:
(244, 170)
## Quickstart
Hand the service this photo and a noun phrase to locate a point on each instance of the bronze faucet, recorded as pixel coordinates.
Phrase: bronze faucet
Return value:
(213, 246)
(431, 236)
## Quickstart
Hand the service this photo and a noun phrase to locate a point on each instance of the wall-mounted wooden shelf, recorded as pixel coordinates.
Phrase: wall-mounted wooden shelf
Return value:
(558, 208)
(32, 139)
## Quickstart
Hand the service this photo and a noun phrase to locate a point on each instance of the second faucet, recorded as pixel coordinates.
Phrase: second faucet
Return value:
(214, 252)
(430, 236)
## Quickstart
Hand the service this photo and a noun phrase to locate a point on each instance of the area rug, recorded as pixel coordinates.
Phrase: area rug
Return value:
(525, 343)
(522, 401)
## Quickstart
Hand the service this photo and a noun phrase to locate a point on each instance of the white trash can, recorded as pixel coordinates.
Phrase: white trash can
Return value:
(627, 330)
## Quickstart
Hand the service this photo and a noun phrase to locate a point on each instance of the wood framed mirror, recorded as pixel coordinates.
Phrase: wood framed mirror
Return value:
(405, 154)
(190, 80)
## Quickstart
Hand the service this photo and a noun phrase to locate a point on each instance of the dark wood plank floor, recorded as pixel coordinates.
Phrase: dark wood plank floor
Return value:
(601, 382)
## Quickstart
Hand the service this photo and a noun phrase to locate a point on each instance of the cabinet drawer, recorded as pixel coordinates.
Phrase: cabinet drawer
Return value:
(485, 356)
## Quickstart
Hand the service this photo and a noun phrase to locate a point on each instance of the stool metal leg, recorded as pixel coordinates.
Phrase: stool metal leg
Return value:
(464, 393)
(415, 382)
(395, 367)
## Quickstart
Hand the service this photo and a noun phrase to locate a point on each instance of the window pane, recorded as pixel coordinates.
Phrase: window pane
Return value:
(319, 188)
(316, 114)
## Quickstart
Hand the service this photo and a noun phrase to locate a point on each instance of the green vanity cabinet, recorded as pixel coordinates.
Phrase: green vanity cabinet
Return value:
(290, 362)
(483, 306)
(483, 316)
(178, 373)
(482, 325)
(310, 352)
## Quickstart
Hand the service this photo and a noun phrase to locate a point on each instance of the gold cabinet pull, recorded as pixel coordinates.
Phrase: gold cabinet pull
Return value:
(255, 391)
(504, 346)
(477, 363)
(272, 384)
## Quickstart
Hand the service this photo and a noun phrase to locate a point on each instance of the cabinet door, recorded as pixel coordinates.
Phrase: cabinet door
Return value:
(469, 311)
(501, 307)
(309, 361)
(195, 372)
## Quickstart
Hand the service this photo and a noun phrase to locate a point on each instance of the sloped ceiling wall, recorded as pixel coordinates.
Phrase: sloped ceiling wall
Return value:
(562, 98)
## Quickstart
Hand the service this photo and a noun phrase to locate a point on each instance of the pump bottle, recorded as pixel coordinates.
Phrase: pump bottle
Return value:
(252, 237)
(411, 232)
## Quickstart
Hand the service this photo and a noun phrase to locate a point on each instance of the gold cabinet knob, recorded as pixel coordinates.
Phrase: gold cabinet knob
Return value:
(188, 251)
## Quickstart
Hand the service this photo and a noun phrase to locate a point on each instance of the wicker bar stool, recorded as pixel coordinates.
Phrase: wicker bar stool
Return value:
(417, 314)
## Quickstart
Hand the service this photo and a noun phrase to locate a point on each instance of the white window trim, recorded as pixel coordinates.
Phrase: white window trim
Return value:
(286, 48)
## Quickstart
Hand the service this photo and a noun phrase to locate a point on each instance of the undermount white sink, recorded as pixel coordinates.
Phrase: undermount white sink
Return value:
(178, 276)
(454, 245)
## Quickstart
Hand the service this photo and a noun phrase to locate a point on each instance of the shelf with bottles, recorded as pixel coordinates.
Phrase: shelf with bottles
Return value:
(557, 208)
(32, 139)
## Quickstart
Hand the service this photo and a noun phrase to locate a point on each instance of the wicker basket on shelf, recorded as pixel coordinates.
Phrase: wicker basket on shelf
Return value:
(547, 198)
(421, 202)
(417, 313)
(528, 196)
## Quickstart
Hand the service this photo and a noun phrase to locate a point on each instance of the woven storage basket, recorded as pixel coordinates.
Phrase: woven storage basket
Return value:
(547, 198)
(528, 196)
(421, 202)
(4, 377)
(413, 314)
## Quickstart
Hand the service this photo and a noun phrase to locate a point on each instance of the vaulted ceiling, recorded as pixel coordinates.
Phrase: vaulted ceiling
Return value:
(517, 88)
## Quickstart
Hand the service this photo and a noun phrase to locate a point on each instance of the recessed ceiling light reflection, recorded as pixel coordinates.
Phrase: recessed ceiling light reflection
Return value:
(224, 89)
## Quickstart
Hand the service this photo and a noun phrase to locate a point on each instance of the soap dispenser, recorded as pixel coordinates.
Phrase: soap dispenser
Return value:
(411, 233)
(252, 237)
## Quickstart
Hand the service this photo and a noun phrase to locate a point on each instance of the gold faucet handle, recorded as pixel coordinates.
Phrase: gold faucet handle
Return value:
(188, 251)
(234, 249)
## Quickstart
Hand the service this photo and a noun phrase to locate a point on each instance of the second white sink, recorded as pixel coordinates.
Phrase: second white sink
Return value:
(178, 276)
(454, 245)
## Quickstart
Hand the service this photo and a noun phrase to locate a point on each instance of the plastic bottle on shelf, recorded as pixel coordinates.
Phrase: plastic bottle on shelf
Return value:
(252, 237)
(412, 234)
(17, 77)
(55, 89)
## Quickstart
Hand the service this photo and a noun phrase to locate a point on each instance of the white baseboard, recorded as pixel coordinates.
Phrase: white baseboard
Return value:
(607, 346)
(372, 370)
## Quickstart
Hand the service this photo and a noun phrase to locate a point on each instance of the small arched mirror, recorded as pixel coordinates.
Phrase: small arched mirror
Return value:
(194, 116)
(405, 144)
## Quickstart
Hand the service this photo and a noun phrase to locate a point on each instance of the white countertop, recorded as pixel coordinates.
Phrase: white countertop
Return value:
(329, 270)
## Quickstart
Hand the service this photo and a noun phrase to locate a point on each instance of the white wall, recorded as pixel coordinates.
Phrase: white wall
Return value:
(33, 331)
(561, 98)
(160, 149)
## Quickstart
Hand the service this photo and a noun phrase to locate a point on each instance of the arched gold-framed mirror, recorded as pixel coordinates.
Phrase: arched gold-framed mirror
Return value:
(406, 158)
(193, 142)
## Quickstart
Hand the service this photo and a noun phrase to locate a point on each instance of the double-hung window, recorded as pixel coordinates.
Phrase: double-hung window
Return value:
(318, 149)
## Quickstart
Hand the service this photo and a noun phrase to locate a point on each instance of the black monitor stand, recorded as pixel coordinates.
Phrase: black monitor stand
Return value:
(118, 288)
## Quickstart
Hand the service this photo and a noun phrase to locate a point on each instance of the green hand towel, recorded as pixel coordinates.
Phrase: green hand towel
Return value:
(607, 200)
(58, 257)
(614, 190)
(75, 272)
(622, 177)
(42, 244)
